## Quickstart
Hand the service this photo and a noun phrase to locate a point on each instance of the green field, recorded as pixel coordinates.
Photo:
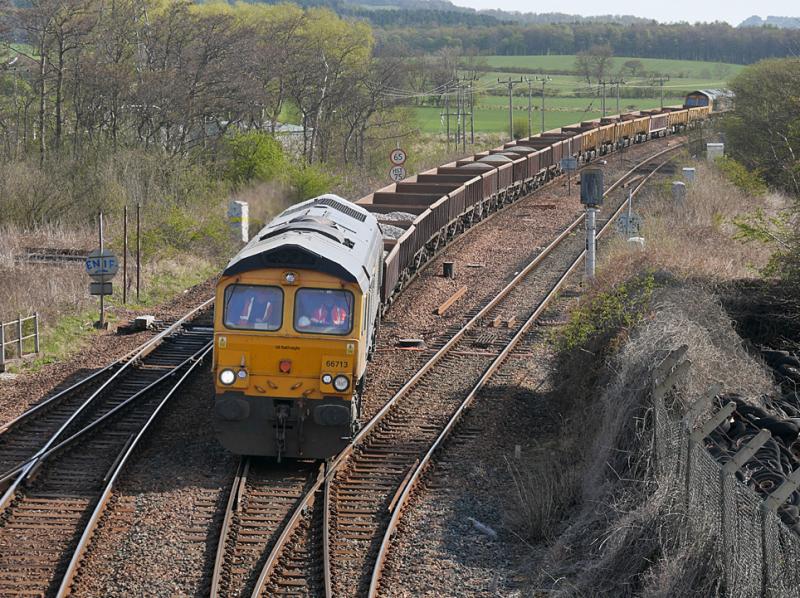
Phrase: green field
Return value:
(570, 84)
(491, 121)
(684, 69)
(568, 99)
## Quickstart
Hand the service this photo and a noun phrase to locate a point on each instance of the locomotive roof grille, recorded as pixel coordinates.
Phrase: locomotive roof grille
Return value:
(311, 224)
(330, 202)
(320, 234)
(344, 209)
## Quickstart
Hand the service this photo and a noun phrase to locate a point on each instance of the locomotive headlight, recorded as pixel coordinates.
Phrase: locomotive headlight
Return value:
(341, 383)
(227, 377)
(327, 378)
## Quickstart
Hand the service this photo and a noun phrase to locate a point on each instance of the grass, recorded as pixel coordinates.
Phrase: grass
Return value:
(703, 245)
(628, 504)
(685, 69)
(59, 292)
(568, 99)
(493, 121)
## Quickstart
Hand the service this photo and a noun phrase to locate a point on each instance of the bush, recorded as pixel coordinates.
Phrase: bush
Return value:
(608, 312)
(310, 181)
(749, 182)
(254, 156)
(520, 128)
(180, 230)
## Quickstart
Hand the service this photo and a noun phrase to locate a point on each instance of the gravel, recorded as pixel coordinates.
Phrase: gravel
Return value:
(158, 537)
(398, 216)
(392, 232)
(160, 533)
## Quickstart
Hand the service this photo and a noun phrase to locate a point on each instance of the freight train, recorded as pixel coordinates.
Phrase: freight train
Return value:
(298, 308)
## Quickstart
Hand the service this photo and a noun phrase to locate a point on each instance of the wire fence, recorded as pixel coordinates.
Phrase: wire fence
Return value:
(759, 554)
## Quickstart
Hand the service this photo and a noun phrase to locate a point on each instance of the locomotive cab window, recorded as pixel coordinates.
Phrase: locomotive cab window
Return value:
(253, 307)
(323, 311)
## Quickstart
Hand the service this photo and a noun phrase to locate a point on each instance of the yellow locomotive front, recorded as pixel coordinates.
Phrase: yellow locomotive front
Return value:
(291, 345)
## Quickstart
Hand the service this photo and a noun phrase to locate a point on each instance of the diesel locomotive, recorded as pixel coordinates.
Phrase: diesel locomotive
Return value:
(295, 322)
(297, 309)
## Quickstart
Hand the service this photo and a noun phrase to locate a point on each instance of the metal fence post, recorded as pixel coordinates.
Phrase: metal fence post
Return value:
(36, 331)
(2, 346)
(19, 336)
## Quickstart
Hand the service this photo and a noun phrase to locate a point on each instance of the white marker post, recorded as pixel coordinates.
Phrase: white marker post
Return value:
(592, 198)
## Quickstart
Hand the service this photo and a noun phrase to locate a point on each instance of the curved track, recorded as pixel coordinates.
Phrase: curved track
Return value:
(420, 465)
(366, 483)
(85, 401)
(52, 497)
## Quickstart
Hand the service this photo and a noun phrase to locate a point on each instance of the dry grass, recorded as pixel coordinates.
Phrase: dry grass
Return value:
(264, 200)
(626, 537)
(48, 289)
(59, 292)
(693, 240)
(544, 489)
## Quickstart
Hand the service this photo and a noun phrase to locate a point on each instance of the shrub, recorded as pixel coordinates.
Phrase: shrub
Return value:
(181, 230)
(608, 312)
(310, 181)
(254, 156)
(520, 128)
(749, 182)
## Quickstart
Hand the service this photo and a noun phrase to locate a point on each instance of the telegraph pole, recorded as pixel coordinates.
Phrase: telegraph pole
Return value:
(661, 79)
(603, 85)
(471, 114)
(464, 117)
(458, 114)
(511, 83)
(544, 80)
(447, 112)
(530, 90)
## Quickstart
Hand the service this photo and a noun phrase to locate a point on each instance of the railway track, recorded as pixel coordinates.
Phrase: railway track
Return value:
(421, 465)
(90, 398)
(262, 498)
(54, 499)
(359, 500)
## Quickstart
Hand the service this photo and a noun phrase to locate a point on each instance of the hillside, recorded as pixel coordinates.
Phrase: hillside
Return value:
(779, 22)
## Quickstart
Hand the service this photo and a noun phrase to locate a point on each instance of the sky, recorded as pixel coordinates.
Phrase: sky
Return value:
(732, 11)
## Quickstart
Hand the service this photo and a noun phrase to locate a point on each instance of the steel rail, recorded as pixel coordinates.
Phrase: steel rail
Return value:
(230, 509)
(326, 555)
(24, 469)
(94, 424)
(501, 209)
(286, 534)
(377, 418)
(487, 375)
(66, 582)
(130, 356)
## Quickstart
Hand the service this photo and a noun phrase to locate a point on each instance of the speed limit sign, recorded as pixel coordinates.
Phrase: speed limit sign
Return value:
(398, 157)
(397, 173)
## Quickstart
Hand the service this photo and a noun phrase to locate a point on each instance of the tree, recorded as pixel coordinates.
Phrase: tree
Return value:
(764, 131)
(634, 67)
(601, 61)
(254, 156)
(594, 64)
(583, 66)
